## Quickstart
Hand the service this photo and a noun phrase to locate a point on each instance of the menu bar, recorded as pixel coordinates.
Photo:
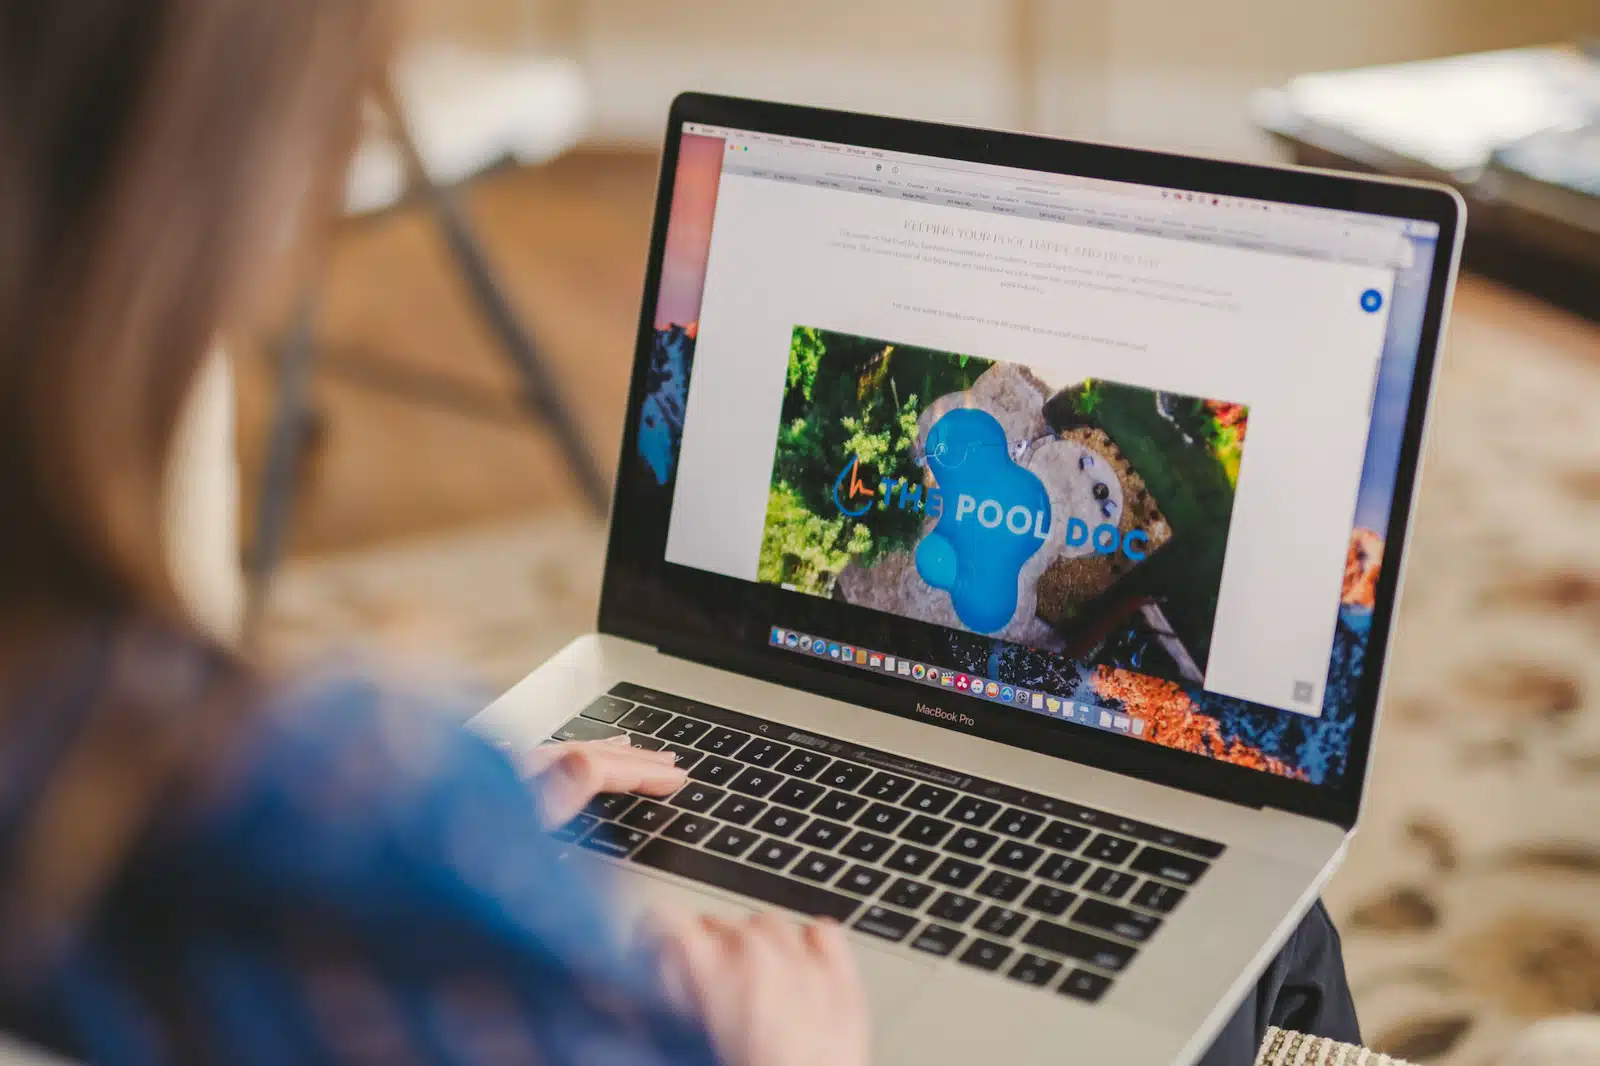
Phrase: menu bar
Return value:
(1181, 214)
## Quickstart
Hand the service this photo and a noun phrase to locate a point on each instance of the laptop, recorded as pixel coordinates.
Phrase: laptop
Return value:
(1006, 539)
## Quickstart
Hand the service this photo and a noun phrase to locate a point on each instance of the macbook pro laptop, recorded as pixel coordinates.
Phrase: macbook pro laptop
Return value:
(1006, 539)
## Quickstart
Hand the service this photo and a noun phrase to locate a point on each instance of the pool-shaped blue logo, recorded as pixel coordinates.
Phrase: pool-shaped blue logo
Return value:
(995, 516)
(1371, 300)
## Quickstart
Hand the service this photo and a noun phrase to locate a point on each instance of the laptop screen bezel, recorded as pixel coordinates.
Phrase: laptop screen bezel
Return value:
(643, 595)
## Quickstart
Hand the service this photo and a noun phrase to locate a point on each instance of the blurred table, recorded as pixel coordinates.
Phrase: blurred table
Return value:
(1517, 132)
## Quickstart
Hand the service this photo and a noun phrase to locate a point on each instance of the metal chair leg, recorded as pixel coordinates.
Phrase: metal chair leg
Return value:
(539, 389)
(275, 504)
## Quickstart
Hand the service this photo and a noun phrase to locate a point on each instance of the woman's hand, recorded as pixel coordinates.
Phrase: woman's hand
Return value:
(573, 774)
(770, 991)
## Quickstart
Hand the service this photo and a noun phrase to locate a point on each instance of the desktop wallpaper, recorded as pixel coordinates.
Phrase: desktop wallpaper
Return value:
(1122, 665)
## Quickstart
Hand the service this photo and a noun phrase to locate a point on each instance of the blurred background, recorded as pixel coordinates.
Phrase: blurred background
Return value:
(416, 504)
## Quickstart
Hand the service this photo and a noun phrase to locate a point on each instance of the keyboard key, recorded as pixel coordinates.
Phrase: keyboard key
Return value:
(763, 752)
(1081, 984)
(925, 830)
(723, 741)
(1034, 970)
(801, 763)
(868, 847)
(732, 876)
(862, 879)
(697, 798)
(1063, 869)
(715, 770)
(797, 794)
(882, 817)
(775, 853)
(1076, 944)
(929, 799)
(645, 720)
(1064, 836)
(840, 805)
(1048, 899)
(607, 709)
(819, 867)
(1002, 886)
(1016, 856)
(644, 743)
(823, 834)
(938, 940)
(881, 921)
(1019, 824)
(908, 894)
(739, 810)
(1130, 925)
(755, 781)
(581, 825)
(731, 840)
(586, 729)
(615, 840)
(886, 787)
(685, 757)
(1155, 896)
(910, 859)
(649, 816)
(957, 873)
(844, 775)
(682, 731)
(971, 844)
(610, 804)
(972, 811)
(954, 908)
(780, 821)
(1108, 848)
(690, 829)
(1113, 883)
(998, 921)
(985, 954)
(1179, 868)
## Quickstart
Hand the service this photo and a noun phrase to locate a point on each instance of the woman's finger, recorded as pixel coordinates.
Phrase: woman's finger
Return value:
(542, 758)
(583, 771)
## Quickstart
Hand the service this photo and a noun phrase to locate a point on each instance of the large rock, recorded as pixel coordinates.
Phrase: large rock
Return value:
(1075, 577)
(1057, 581)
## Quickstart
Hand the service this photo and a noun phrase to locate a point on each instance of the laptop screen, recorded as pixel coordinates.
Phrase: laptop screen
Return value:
(1116, 456)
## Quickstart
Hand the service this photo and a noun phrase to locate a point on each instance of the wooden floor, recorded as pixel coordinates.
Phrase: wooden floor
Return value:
(569, 241)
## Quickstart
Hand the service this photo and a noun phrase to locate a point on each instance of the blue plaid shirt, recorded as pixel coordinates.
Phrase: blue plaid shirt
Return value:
(370, 886)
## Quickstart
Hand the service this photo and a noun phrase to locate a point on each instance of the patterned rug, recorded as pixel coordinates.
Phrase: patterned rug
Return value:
(1470, 902)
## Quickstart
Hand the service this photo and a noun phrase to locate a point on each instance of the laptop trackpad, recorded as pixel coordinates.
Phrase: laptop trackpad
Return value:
(892, 981)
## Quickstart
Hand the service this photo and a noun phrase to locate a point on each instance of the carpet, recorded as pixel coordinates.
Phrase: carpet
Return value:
(1470, 901)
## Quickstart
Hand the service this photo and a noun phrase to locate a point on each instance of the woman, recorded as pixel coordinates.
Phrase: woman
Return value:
(199, 866)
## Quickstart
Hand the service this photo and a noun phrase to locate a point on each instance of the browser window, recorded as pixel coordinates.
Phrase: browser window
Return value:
(1060, 413)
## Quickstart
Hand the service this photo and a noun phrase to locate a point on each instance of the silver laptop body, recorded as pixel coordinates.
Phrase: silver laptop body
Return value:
(1054, 673)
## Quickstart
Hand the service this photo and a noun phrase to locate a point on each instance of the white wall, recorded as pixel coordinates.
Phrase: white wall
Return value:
(1166, 73)
(934, 58)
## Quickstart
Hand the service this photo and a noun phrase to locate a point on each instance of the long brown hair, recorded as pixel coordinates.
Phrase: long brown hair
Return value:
(155, 156)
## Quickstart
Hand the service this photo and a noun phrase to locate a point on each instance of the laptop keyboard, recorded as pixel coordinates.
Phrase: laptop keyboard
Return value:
(1042, 891)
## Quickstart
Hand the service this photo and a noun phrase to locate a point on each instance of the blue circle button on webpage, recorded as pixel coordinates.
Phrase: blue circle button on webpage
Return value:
(1371, 300)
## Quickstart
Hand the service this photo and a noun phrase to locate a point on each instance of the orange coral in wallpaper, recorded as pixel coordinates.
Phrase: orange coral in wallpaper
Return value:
(1173, 720)
(1361, 568)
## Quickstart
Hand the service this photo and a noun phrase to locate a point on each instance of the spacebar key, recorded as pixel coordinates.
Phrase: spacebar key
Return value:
(714, 870)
